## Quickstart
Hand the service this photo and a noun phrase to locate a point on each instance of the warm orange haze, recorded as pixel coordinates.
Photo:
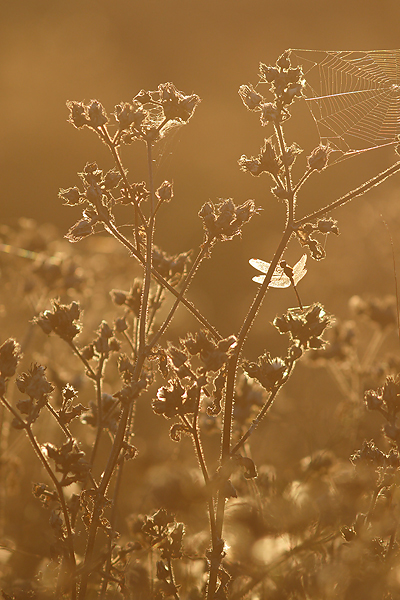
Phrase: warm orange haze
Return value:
(199, 314)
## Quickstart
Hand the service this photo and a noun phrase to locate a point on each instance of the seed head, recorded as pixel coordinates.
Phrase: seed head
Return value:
(318, 159)
(250, 97)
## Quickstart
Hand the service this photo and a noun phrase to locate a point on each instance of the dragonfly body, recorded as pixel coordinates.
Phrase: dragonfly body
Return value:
(283, 276)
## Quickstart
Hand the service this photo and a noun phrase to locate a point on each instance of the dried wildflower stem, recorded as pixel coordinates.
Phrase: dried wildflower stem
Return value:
(283, 150)
(106, 574)
(365, 187)
(98, 507)
(229, 395)
(71, 567)
(110, 227)
(130, 342)
(64, 428)
(69, 539)
(194, 430)
(144, 305)
(105, 479)
(255, 423)
(188, 279)
(172, 578)
(100, 421)
(76, 351)
(302, 179)
(113, 146)
(154, 308)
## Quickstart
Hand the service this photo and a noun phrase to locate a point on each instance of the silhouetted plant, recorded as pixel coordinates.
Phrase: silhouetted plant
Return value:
(321, 529)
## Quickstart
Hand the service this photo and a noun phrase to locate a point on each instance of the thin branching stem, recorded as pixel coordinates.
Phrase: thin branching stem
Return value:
(303, 179)
(113, 146)
(60, 492)
(100, 424)
(106, 575)
(110, 227)
(360, 191)
(229, 395)
(82, 358)
(144, 305)
(188, 279)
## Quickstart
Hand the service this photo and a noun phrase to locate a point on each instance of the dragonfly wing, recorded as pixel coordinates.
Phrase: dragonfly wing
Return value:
(259, 279)
(260, 265)
(279, 279)
(299, 269)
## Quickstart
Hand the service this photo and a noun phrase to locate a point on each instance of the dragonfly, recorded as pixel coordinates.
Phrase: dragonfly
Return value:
(283, 276)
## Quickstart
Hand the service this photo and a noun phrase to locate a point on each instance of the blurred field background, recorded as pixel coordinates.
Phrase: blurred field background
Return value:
(54, 51)
(57, 51)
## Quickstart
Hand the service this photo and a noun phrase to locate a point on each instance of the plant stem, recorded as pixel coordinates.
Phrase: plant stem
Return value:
(229, 395)
(365, 187)
(110, 227)
(203, 252)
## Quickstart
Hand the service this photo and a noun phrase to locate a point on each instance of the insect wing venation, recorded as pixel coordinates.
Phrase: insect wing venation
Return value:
(299, 269)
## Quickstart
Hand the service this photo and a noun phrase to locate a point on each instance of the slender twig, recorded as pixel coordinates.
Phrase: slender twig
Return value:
(257, 420)
(110, 227)
(57, 485)
(82, 358)
(196, 263)
(106, 574)
(362, 189)
(230, 389)
(99, 401)
(302, 180)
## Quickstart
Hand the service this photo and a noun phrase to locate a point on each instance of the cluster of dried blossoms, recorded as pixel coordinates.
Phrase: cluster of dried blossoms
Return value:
(206, 385)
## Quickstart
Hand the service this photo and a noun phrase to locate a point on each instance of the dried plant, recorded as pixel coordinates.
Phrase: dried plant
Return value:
(233, 528)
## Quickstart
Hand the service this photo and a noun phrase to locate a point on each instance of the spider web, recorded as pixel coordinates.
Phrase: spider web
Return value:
(353, 96)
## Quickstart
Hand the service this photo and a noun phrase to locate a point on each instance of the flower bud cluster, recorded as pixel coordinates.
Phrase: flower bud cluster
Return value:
(131, 299)
(69, 461)
(176, 105)
(171, 268)
(10, 355)
(61, 320)
(318, 159)
(92, 114)
(212, 354)
(68, 412)
(34, 384)
(269, 372)
(143, 118)
(306, 328)
(175, 400)
(371, 455)
(105, 342)
(136, 194)
(266, 162)
(97, 194)
(285, 82)
(225, 220)
(165, 192)
(386, 400)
